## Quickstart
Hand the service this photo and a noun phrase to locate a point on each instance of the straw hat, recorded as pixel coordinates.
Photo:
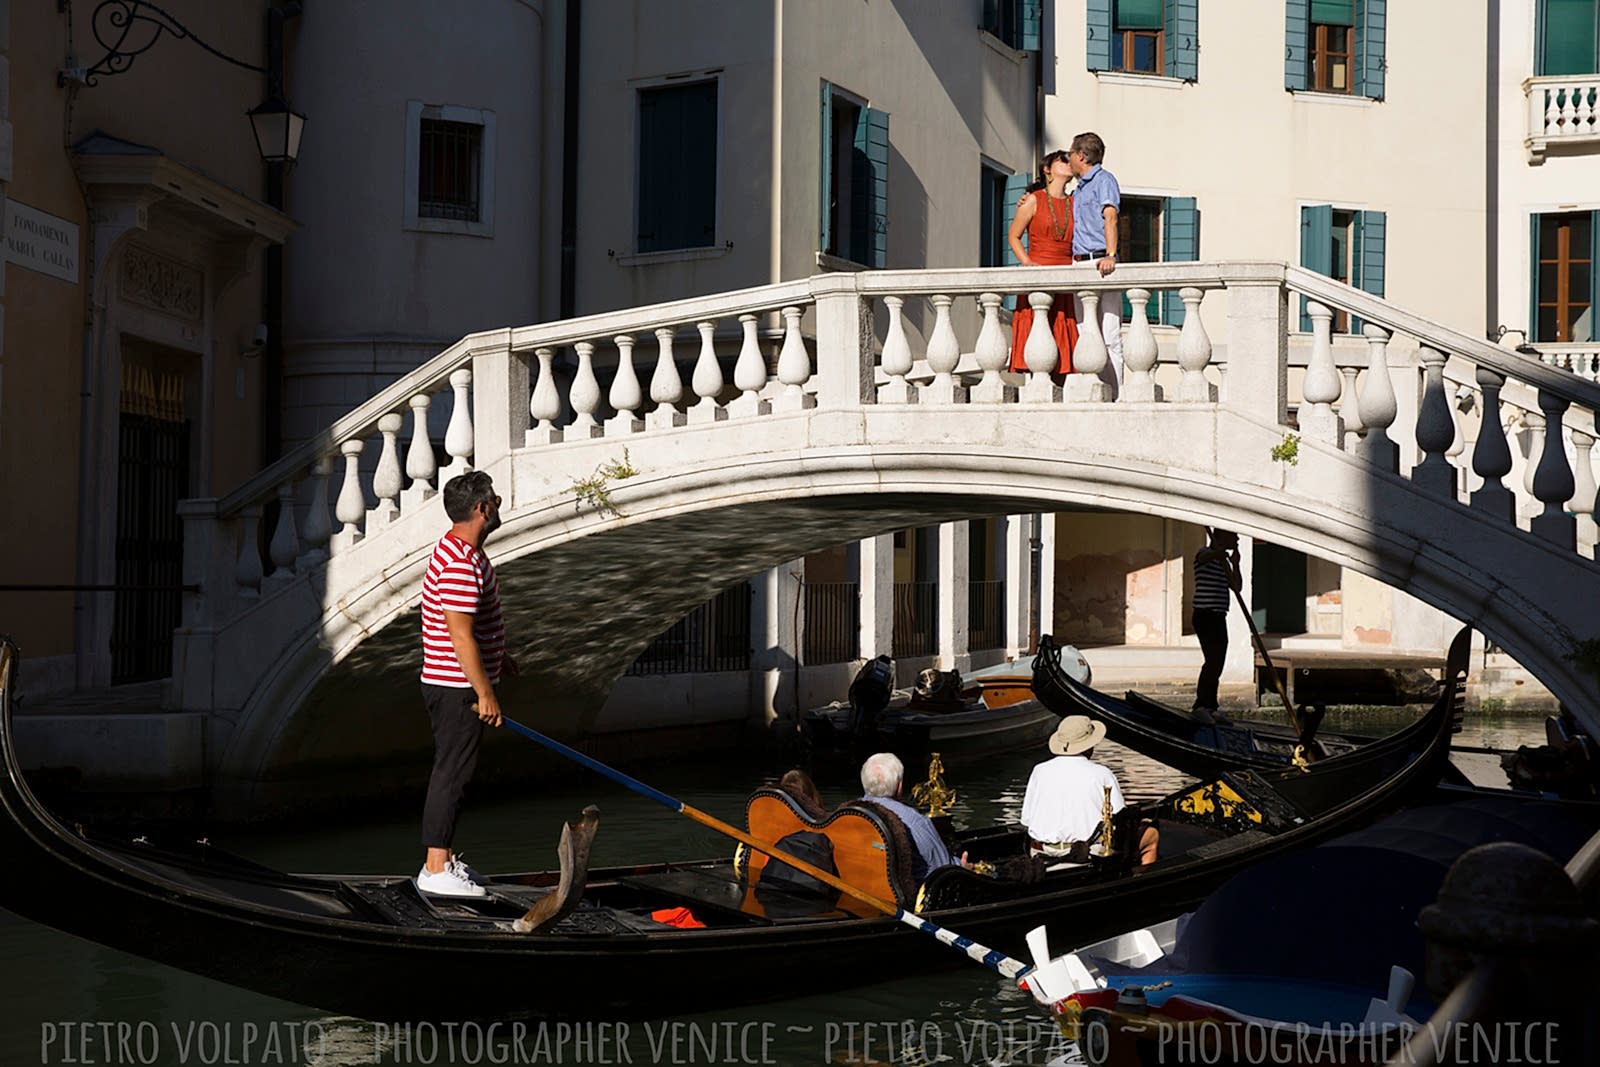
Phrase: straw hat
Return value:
(1077, 733)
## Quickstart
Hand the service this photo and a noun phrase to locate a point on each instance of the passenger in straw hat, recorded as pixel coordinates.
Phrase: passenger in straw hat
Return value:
(1062, 808)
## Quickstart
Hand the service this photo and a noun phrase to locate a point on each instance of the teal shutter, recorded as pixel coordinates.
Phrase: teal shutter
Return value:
(1367, 257)
(1016, 185)
(1031, 21)
(872, 139)
(1566, 37)
(1297, 45)
(1097, 39)
(1180, 243)
(1183, 39)
(825, 225)
(1534, 224)
(1371, 37)
(1316, 247)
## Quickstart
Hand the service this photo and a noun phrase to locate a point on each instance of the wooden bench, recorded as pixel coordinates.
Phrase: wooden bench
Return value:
(1296, 664)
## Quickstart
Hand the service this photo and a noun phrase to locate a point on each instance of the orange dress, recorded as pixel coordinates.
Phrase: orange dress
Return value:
(1047, 249)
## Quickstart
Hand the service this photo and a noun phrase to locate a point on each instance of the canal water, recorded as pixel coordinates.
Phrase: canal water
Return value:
(69, 1001)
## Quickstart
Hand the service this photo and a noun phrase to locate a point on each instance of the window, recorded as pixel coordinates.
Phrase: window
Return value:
(1568, 37)
(1016, 22)
(1564, 284)
(1156, 229)
(677, 186)
(996, 212)
(1159, 37)
(1346, 245)
(855, 180)
(1336, 46)
(449, 169)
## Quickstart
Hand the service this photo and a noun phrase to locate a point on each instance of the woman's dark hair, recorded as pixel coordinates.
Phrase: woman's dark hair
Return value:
(1042, 179)
(798, 784)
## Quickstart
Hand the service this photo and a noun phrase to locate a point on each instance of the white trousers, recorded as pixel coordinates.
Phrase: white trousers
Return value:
(1111, 330)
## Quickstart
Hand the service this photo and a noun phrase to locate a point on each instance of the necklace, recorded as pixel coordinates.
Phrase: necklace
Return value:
(1058, 226)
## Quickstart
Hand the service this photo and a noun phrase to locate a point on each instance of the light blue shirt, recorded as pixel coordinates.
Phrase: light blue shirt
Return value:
(1096, 188)
(931, 852)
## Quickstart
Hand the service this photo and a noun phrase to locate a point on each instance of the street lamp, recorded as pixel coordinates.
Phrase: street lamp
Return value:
(277, 128)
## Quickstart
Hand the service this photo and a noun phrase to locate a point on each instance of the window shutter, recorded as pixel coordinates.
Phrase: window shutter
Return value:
(1097, 40)
(1368, 253)
(872, 139)
(1371, 35)
(1534, 222)
(1297, 45)
(1316, 247)
(1030, 19)
(1180, 243)
(1183, 39)
(825, 225)
(1016, 185)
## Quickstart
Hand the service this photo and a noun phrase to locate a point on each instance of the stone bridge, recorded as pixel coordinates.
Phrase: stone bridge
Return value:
(889, 407)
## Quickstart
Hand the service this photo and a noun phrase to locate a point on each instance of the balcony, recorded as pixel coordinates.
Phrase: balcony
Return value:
(1563, 111)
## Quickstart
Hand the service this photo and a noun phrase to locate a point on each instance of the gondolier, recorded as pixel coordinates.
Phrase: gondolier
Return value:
(463, 658)
(1216, 577)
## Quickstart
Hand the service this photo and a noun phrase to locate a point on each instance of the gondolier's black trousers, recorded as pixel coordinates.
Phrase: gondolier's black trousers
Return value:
(1211, 627)
(456, 733)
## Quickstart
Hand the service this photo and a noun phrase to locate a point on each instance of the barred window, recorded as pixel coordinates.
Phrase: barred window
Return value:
(450, 170)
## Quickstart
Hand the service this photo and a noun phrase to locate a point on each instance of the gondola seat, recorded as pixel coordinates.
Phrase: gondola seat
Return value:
(871, 849)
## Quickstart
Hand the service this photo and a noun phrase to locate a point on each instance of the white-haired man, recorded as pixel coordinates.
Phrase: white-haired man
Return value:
(882, 777)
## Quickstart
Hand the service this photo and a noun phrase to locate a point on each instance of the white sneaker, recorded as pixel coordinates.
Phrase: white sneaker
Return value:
(447, 883)
(466, 871)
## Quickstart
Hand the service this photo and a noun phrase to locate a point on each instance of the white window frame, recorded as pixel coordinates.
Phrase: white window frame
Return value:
(416, 111)
(718, 246)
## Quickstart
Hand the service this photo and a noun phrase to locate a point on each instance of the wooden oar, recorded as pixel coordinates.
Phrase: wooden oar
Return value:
(992, 958)
(1277, 683)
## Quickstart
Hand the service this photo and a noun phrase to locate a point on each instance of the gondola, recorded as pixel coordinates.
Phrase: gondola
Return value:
(986, 713)
(373, 947)
(1170, 735)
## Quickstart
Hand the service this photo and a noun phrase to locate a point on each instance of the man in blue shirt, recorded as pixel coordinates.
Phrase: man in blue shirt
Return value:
(881, 778)
(1095, 203)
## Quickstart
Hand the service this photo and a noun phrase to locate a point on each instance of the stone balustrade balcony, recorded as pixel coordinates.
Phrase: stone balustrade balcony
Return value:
(1563, 111)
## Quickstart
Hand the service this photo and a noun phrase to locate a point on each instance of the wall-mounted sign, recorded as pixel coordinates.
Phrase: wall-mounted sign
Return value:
(41, 242)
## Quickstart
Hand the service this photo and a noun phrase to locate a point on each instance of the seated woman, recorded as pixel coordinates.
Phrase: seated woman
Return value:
(798, 784)
(1045, 215)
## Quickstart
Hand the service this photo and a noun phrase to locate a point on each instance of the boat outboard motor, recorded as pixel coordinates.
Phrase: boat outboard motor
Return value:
(869, 695)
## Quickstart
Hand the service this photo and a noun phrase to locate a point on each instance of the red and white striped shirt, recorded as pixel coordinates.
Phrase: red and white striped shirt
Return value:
(460, 578)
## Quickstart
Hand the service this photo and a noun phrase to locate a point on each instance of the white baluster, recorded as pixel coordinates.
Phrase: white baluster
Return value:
(1436, 430)
(1585, 115)
(1089, 358)
(1194, 351)
(1377, 401)
(247, 568)
(318, 526)
(625, 395)
(794, 366)
(749, 373)
(1533, 435)
(351, 507)
(1553, 483)
(285, 546)
(420, 463)
(1552, 113)
(1139, 353)
(944, 355)
(386, 481)
(993, 355)
(707, 381)
(545, 403)
(1350, 409)
(585, 396)
(1568, 113)
(1318, 421)
(896, 359)
(1583, 487)
(1491, 456)
(458, 434)
(666, 386)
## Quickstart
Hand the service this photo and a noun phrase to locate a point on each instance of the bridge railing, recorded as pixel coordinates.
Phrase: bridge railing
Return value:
(842, 341)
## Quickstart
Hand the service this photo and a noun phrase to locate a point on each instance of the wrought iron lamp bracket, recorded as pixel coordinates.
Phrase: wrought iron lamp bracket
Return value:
(127, 29)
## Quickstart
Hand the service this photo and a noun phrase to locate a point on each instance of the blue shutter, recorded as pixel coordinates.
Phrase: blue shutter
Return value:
(825, 225)
(1367, 257)
(1183, 39)
(1316, 247)
(1180, 243)
(1030, 21)
(1097, 39)
(1371, 35)
(1297, 45)
(1016, 185)
(1534, 336)
(872, 139)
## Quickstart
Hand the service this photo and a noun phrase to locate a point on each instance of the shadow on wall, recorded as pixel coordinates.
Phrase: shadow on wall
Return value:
(1110, 599)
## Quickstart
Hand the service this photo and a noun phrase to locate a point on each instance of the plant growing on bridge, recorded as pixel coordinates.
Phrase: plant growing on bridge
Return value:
(1288, 450)
(595, 490)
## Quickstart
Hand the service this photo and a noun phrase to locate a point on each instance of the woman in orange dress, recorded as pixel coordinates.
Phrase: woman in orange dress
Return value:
(1045, 215)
